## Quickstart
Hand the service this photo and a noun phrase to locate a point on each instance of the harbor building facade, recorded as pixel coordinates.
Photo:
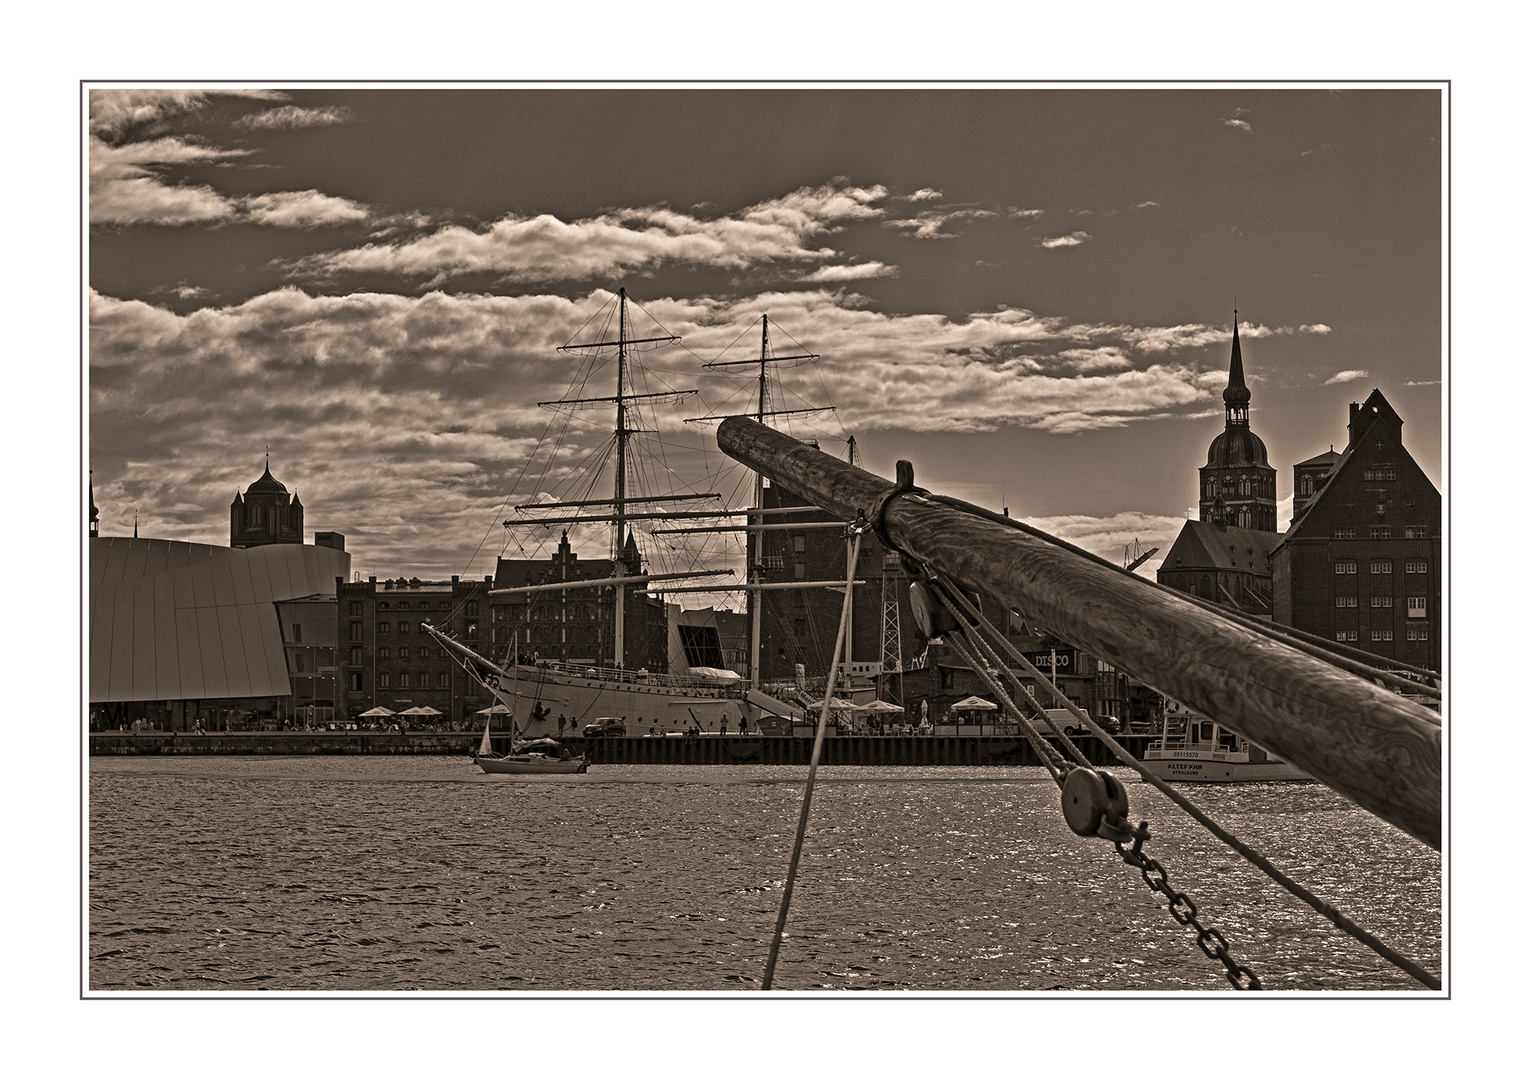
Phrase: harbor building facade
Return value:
(578, 625)
(1361, 563)
(390, 661)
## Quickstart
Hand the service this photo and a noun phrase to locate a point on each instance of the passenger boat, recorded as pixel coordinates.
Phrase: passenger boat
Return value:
(1191, 747)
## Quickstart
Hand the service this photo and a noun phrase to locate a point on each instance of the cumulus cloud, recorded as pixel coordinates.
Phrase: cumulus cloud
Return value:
(1025, 213)
(1350, 375)
(924, 195)
(931, 224)
(302, 209)
(1242, 125)
(1073, 239)
(545, 248)
(1314, 328)
(856, 272)
(127, 188)
(113, 111)
(292, 117)
(430, 401)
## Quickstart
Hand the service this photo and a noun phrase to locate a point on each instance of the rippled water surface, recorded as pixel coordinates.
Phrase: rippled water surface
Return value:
(388, 873)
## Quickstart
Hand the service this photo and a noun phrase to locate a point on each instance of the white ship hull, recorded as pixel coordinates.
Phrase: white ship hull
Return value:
(1209, 769)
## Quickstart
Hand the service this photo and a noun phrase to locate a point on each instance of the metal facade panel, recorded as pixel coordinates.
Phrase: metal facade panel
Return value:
(239, 576)
(202, 584)
(189, 649)
(277, 571)
(215, 679)
(167, 666)
(102, 604)
(223, 582)
(143, 675)
(264, 653)
(184, 591)
(236, 668)
(134, 558)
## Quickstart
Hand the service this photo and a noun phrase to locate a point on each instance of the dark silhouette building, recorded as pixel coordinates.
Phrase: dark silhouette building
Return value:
(1225, 557)
(1361, 562)
(265, 514)
(1238, 485)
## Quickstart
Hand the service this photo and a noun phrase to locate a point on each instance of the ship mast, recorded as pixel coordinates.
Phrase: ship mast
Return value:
(623, 401)
(754, 549)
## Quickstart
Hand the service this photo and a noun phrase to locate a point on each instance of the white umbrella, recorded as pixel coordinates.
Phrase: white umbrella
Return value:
(421, 710)
(835, 703)
(378, 711)
(879, 706)
(974, 703)
(497, 709)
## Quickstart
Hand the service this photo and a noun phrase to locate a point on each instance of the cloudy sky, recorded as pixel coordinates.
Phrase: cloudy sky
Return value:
(1027, 292)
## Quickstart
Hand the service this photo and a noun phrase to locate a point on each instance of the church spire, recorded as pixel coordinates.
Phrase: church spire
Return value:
(1236, 395)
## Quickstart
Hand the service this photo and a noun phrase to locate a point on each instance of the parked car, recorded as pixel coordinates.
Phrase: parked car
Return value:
(1071, 724)
(606, 725)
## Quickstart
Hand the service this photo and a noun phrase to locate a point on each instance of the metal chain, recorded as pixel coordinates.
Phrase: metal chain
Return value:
(1183, 910)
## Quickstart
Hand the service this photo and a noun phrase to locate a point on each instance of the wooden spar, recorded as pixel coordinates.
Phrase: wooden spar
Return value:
(1369, 744)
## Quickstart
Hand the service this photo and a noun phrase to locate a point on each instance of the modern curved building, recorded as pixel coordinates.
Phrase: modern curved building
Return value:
(179, 630)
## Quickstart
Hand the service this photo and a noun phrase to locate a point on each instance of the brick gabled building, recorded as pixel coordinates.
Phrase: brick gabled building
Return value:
(1361, 562)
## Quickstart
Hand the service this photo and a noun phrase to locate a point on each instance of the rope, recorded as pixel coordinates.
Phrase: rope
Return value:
(1325, 909)
(813, 768)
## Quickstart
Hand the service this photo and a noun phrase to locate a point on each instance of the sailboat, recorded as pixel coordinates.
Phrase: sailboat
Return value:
(527, 756)
(548, 698)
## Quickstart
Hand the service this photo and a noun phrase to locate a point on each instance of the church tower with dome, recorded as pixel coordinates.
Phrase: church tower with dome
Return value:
(265, 514)
(1238, 485)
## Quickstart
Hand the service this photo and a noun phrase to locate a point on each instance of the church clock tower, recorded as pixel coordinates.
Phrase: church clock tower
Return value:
(1238, 485)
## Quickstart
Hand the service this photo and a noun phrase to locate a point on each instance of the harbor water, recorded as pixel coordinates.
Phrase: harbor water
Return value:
(348, 874)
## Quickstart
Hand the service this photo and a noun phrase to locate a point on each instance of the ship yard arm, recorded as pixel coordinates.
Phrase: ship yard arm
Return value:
(1371, 745)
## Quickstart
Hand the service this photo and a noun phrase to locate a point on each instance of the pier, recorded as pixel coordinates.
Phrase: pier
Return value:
(632, 750)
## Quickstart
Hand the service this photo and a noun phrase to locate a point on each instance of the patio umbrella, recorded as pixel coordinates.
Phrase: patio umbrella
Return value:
(879, 706)
(421, 710)
(497, 709)
(835, 703)
(378, 711)
(974, 703)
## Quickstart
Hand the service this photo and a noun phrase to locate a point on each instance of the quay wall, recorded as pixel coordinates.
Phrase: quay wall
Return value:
(707, 750)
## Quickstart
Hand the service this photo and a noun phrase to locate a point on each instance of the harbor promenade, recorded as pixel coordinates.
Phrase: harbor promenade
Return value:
(632, 750)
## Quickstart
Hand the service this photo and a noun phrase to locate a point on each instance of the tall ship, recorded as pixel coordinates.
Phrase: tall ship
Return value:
(622, 652)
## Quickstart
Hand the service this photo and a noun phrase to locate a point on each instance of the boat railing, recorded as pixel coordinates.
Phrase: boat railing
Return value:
(641, 677)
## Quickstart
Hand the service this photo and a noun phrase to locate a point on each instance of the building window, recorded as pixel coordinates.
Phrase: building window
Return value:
(1345, 635)
(1382, 532)
(404, 626)
(799, 544)
(1418, 633)
(1382, 601)
(472, 608)
(383, 606)
(383, 628)
(356, 681)
(1383, 472)
(799, 571)
(1344, 601)
(1416, 607)
(1382, 635)
(1416, 532)
(441, 678)
(1345, 566)
(403, 680)
(355, 607)
(1305, 486)
(1382, 566)
(441, 653)
(384, 654)
(473, 629)
(1344, 534)
(1416, 566)
(403, 605)
(356, 631)
(356, 658)
(382, 680)
(948, 678)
